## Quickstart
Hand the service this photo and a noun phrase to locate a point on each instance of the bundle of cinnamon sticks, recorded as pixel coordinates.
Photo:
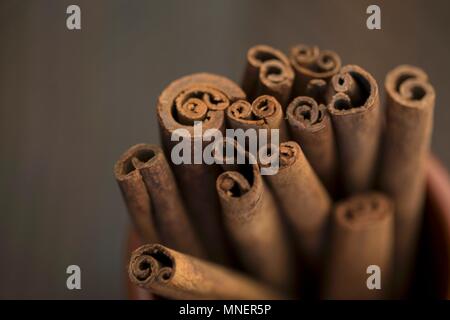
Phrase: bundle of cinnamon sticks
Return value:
(338, 218)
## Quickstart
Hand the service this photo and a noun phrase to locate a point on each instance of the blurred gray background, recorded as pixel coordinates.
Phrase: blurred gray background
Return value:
(72, 101)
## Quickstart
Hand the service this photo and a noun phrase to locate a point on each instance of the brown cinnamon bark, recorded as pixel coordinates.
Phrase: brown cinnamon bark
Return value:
(268, 72)
(313, 70)
(173, 225)
(198, 97)
(264, 113)
(135, 193)
(409, 121)
(303, 200)
(355, 114)
(310, 126)
(362, 235)
(134, 292)
(174, 275)
(255, 227)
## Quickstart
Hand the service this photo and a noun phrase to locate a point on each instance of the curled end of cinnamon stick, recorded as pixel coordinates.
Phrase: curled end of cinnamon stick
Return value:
(133, 159)
(233, 184)
(198, 97)
(271, 66)
(261, 111)
(240, 190)
(314, 63)
(289, 153)
(409, 86)
(276, 72)
(305, 112)
(151, 263)
(364, 210)
(355, 90)
(259, 54)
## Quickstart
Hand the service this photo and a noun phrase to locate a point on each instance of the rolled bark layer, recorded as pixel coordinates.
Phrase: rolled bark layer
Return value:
(174, 275)
(313, 70)
(355, 114)
(303, 200)
(255, 227)
(170, 216)
(268, 72)
(198, 97)
(310, 126)
(264, 113)
(361, 246)
(409, 120)
(134, 191)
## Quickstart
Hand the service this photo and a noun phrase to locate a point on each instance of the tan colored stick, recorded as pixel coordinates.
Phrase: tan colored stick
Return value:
(174, 228)
(135, 193)
(255, 227)
(304, 201)
(264, 113)
(268, 72)
(174, 275)
(355, 114)
(362, 236)
(310, 126)
(198, 97)
(409, 121)
(313, 71)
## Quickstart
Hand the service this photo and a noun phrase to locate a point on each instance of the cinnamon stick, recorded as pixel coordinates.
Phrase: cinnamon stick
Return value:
(173, 225)
(254, 225)
(264, 113)
(198, 97)
(313, 70)
(174, 275)
(355, 114)
(134, 292)
(409, 119)
(362, 235)
(135, 193)
(268, 72)
(310, 126)
(303, 200)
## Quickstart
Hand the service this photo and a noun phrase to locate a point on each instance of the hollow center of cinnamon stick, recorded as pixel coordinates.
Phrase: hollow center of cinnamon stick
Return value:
(138, 160)
(417, 93)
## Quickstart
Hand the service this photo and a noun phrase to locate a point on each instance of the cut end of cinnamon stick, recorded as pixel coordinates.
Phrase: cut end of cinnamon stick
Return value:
(364, 210)
(197, 97)
(354, 91)
(409, 86)
(268, 71)
(306, 112)
(151, 263)
(289, 153)
(276, 72)
(133, 159)
(259, 54)
(314, 63)
(233, 184)
(260, 112)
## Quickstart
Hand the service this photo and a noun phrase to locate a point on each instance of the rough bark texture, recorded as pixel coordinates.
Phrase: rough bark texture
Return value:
(310, 126)
(174, 275)
(198, 97)
(409, 121)
(355, 114)
(268, 72)
(254, 224)
(303, 200)
(264, 113)
(172, 223)
(135, 193)
(313, 70)
(362, 235)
